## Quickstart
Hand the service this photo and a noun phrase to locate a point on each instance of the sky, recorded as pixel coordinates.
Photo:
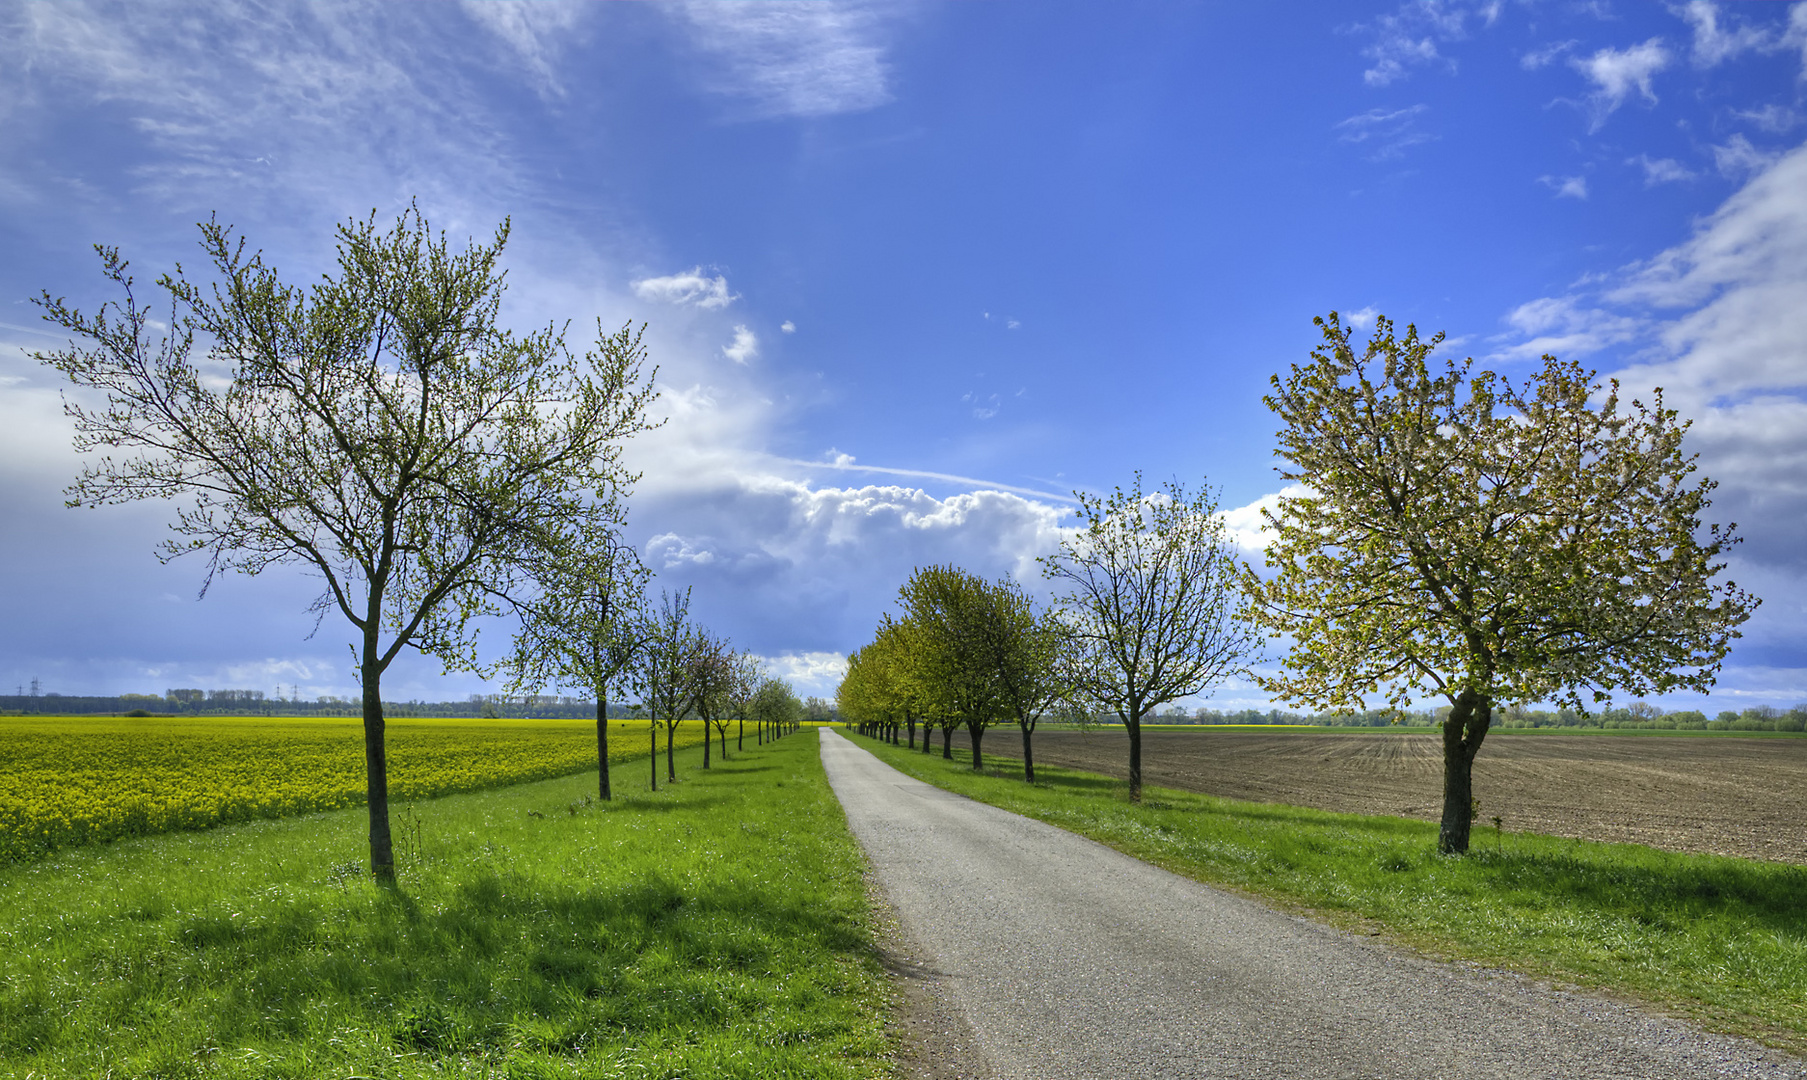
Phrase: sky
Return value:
(916, 272)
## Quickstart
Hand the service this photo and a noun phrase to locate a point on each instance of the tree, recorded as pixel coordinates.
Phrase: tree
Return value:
(745, 674)
(1487, 542)
(957, 644)
(379, 428)
(774, 706)
(665, 674)
(585, 625)
(1150, 604)
(712, 687)
(1026, 650)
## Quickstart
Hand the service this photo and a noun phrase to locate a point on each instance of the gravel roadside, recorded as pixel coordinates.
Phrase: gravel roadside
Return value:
(1068, 959)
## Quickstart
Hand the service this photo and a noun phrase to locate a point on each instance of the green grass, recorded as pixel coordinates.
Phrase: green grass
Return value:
(718, 928)
(1722, 940)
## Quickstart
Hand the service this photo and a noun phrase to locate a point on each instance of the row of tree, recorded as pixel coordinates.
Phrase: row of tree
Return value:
(386, 431)
(1448, 533)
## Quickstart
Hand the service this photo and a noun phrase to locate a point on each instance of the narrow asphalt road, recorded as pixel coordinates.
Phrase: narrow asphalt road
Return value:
(1069, 959)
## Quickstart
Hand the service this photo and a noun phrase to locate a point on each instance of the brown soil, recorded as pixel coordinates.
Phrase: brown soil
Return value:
(1725, 796)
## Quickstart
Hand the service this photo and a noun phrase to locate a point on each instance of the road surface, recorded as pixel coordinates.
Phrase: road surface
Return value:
(1068, 959)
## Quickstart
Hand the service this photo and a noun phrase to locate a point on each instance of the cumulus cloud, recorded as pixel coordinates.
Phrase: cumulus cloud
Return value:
(1718, 322)
(805, 60)
(686, 287)
(1615, 73)
(788, 327)
(744, 347)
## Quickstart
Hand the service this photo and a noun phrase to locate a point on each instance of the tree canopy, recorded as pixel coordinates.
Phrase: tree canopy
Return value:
(1485, 541)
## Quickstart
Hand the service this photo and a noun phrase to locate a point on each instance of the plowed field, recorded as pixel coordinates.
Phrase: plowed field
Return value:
(1727, 796)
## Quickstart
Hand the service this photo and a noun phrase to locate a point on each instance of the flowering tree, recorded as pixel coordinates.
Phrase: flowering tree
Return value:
(1486, 542)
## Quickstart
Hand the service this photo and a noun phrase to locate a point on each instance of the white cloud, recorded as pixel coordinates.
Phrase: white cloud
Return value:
(1738, 158)
(1011, 324)
(1771, 118)
(1408, 38)
(788, 327)
(1544, 57)
(985, 406)
(1718, 322)
(1566, 187)
(1247, 527)
(797, 59)
(744, 347)
(1562, 326)
(1361, 317)
(810, 674)
(1660, 170)
(1714, 43)
(535, 31)
(687, 287)
(1615, 73)
(1389, 132)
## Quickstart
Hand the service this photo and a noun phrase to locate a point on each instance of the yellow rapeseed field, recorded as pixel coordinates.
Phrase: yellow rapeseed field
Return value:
(81, 780)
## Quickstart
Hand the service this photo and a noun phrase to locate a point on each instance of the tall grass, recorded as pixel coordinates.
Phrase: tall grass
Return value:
(717, 928)
(1720, 939)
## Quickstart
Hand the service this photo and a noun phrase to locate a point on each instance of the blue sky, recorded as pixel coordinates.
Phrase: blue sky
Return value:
(913, 272)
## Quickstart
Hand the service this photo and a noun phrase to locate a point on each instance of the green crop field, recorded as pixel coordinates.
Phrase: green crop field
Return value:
(79, 780)
(717, 928)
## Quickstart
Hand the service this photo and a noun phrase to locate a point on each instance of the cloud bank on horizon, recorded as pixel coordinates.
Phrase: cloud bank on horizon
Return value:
(912, 277)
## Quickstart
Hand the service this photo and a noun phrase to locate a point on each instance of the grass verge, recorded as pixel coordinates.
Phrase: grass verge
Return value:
(718, 928)
(1723, 941)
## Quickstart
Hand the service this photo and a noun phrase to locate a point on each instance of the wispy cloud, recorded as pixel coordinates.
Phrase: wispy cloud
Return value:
(788, 327)
(1544, 57)
(1387, 133)
(1716, 42)
(1738, 158)
(794, 59)
(1408, 38)
(744, 347)
(535, 32)
(687, 287)
(1565, 327)
(1615, 73)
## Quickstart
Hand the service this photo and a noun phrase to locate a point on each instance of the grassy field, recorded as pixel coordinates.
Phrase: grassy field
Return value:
(1722, 940)
(717, 928)
(80, 780)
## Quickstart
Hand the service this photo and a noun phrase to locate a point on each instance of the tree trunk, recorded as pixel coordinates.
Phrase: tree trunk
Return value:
(671, 764)
(722, 730)
(376, 768)
(1028, 756)
(654, 756)
(912, 722)
(947, 743)
(706, 741)
(1467, 724)
(602, 746)
(976, 732)
(740, 736)
(1134, 724)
